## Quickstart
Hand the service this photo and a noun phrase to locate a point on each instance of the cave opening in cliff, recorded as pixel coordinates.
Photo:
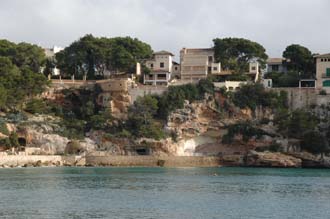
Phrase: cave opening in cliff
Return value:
(22, 141)
(143, 151)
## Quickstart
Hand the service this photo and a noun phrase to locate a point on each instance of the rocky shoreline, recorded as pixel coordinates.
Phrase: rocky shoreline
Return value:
(251, 159)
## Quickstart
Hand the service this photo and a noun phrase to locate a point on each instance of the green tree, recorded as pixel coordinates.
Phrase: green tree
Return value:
(93, 56)
(289, 79)
(236, 53)
(23, 55)
(254, 95)
(315, 142)
(300, 59)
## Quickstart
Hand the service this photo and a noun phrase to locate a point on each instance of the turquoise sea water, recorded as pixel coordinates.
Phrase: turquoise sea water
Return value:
(174, 193)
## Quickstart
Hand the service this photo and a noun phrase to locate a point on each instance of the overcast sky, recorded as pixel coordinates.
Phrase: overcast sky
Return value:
(170, 24)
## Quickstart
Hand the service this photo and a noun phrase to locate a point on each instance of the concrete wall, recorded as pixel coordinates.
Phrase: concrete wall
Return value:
(143, 90)
(195, 62)
(153, 161)
(304, 97)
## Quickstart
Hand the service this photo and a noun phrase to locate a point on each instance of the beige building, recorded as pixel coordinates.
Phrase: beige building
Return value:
(323, 71)
(162, 68)
(198, 63)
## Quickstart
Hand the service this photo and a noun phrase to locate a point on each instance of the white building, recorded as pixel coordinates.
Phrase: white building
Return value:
(161, 68)
(50, 54)
(198, 63)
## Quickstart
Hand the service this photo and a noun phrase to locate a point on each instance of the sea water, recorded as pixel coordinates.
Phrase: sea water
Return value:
(174, 193)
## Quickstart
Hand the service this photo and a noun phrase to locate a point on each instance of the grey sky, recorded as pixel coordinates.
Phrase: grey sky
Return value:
(170, 24)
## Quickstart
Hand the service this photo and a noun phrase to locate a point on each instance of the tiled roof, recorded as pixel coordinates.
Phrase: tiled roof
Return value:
(163, 52)
(275, 60)
(327, 55)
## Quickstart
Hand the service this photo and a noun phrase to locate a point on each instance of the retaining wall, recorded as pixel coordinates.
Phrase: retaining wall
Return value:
(152, 161)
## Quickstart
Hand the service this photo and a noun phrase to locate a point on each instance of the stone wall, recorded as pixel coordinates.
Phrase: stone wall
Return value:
(144, 90)
(304, 97)
(152, 161)
(21, 160)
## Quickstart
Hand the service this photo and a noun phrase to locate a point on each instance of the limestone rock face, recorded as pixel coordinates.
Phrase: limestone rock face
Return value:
(267, 159)
(312, 161)
(41, 132)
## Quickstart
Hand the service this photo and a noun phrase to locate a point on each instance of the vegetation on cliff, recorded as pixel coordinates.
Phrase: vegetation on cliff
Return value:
(255, 95)
(20, 78)
(93, 56)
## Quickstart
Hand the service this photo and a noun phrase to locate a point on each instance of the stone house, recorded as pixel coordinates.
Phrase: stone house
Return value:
(323, 71)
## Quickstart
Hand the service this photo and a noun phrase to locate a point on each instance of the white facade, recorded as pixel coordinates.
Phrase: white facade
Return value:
(161, 68)
(229, 85)
(50, 54)
(162, 60)
(157, 78)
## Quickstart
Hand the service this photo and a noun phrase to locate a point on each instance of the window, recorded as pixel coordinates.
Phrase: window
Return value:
(151, 65)
(161, 65)
(327, 73)
(321, 60)
(175, 68)
(210, 58)
(209, 69)
(275, 67)
(215, 68)
(326, 83)
(253, 68)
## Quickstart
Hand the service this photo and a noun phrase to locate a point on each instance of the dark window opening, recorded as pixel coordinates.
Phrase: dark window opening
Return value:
(161, 65)
(22, 141)
(275, 67)
(210, 58)
(143, 151)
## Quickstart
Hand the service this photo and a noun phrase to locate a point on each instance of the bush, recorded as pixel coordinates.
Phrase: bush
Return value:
(322, 92)
(245, 129)
(73, 147)
(3, 128)
(315, 142)
(36, 106)
(254, 95)
(289, 79)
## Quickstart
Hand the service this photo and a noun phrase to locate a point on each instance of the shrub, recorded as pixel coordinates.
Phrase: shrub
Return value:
(36, 106)
(13, 138)
(254, 95)
(315, 142)
(3, 128)
(73, 147)
(322, 92)
(245, 129)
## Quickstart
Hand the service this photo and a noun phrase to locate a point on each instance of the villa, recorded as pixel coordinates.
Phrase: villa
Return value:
(323, 71)
(162, 69)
